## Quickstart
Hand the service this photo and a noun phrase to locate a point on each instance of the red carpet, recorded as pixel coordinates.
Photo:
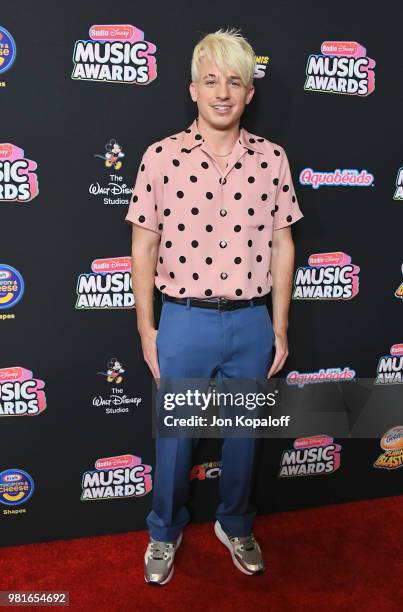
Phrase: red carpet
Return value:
(338, 558)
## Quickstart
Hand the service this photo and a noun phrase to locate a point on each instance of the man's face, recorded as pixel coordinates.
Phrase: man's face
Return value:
(220, 98)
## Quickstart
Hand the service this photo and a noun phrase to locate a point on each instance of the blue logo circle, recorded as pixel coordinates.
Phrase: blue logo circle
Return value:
(8, 50)
(11, 286)
(16, 487)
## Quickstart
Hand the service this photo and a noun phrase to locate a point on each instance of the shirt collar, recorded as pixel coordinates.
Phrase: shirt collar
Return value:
(192, 138)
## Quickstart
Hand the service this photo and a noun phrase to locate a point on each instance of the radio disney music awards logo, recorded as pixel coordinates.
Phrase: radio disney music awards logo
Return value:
(392, 443)
(399, 290)
(16, 487)
(114, 191)
(18, 179)
(8, 52)
(115, 54)
(114, 377)
(11, 288)
(299, 379)
(261, 63)
(107, 286)
(21, 393)
(310, 457)
(349, 177)
(206, 471)
(329, 276)
(398, 194)
(116, 478)
(390, 367)
(342, 68)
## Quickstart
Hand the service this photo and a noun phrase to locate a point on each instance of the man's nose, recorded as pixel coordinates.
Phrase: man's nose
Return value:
(222, 91)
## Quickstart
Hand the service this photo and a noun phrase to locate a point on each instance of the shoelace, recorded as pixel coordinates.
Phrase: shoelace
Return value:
(159, 550)
(245, 542)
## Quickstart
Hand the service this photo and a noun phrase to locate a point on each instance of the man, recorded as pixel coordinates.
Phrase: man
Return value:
(211, 214)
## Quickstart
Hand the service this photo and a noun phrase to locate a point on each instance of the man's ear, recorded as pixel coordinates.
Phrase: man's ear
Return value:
(250, 93)
(193, 91)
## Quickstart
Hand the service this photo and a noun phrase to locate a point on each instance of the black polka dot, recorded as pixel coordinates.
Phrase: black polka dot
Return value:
(148, 187)
(272, 212)
(251, 152)
(260, 139)
(155, 207)
(275, 208)
(285, 187)
(142, 167)
(194, 243)
(237, 260)
(195, 275)
(182, 259)
(195, 211)
(209, 228)
(276, 152)
(251, 211)
(270, 243)
(160, 226)
(209, 260)
(251, 179)
(264, 197)
(158, 149)
(193, 178)
(181, 227)
(162, 287)
(260, 228)
(198, 136)
(264, 165)
(176, 162)
(166, 179)
(172, 274)
(209, 195)
(238, 291)
(142, 218)
(179, 194)
(135, 198)
(161, 259)
(238, 165)
(208, 292)
(275, 181)
(250, 243)
(293, 198)
(289, 218)
(259, 290)
(238, 195)
(249, 274)
(237, 228)
(258, 258)
(167, 211)
(204, 165)
(184, 150)
(168, 244)
(182, 290)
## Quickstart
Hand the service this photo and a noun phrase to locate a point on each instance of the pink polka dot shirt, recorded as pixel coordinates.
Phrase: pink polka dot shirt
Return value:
(216, 227)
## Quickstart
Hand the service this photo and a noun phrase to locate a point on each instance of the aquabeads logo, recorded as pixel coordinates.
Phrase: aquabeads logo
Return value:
(8, 51)
(115, 54)
(117, 478)
(261, 63)
(11, 287)
(206, 471)
(311, 456)
(399, 290)
(390, 367)
(107, 286)
(16, 487)
(300, 379)
(392, 443)
(349, 177)
(20, 393)
(341, 68)
(18, 179)
(329, 276)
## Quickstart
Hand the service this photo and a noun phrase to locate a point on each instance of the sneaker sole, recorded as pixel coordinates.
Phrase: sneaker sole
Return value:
(222, 536)
(168, 578)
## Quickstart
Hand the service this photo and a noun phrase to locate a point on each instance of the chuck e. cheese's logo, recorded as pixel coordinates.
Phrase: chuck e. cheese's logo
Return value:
(206, 471)
(116, 478)
(390, 367)
(20, 393)
(18, 179)
(311, 456)
(392, 443)
(107, 286)
(115, 54)
(329, 276)
(342, 68)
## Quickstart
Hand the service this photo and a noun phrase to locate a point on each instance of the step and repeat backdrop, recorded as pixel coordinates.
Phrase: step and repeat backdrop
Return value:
(83, 92)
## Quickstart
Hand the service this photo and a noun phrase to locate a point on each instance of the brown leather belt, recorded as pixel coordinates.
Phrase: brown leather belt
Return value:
(219, 303)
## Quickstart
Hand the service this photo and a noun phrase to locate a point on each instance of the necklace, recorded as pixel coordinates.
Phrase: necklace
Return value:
(222, 155)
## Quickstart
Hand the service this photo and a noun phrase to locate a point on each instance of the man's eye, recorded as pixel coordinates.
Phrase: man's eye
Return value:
(210, 82)
(235, 83)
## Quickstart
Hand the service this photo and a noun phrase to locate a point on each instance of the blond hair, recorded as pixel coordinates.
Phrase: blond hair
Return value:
(229, 50)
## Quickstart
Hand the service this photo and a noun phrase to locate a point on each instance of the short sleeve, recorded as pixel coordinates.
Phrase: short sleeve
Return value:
(143, 208)
(287, 210)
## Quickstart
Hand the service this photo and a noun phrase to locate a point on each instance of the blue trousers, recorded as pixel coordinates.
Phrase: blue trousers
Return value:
(194, 342)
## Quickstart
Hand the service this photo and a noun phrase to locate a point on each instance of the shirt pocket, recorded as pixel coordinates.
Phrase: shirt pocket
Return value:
(256, 212)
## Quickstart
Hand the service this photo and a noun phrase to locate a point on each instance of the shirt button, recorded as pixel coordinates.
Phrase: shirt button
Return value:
(223, 212)
(224, 275)
(222, 181)
(223, 244)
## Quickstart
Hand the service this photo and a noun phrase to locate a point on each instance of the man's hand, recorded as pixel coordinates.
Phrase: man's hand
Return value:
(281, 344)
(148, 344)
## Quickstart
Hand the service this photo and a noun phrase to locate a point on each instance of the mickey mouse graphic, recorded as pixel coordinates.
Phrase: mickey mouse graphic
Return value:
(113, 155)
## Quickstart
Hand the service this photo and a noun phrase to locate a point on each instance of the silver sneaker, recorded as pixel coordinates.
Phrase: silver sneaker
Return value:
(159, 561)
(245, 551)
